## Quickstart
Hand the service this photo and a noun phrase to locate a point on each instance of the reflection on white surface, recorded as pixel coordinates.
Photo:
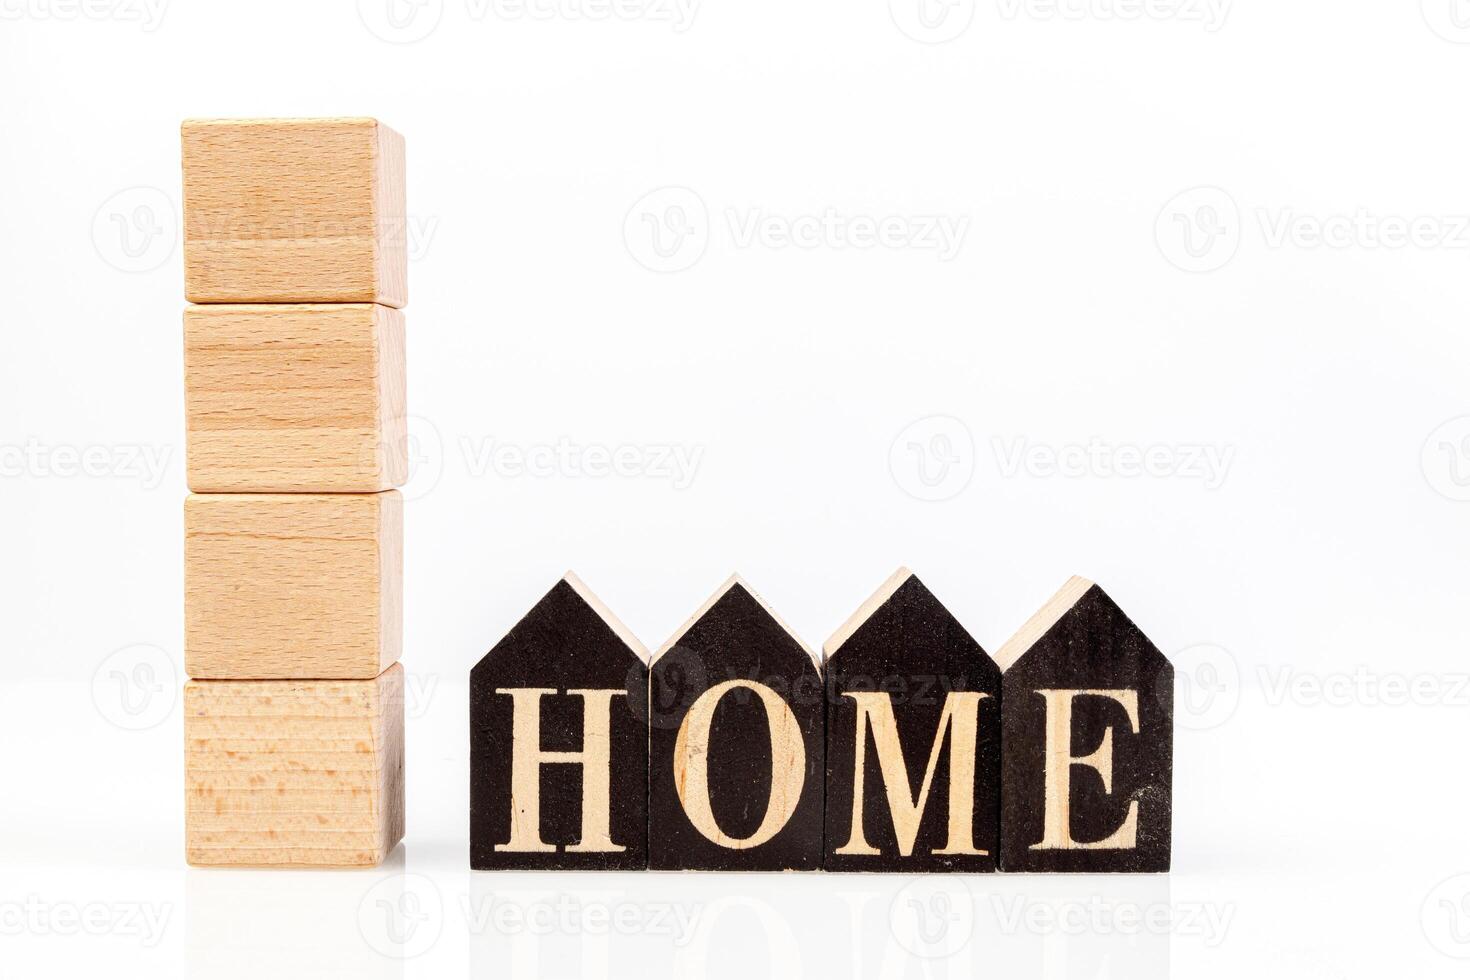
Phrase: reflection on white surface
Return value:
(256, 924)
(690, 925)
(396, 921)
(1269, 881)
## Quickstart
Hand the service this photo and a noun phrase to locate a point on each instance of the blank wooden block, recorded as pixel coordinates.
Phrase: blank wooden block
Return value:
(295, 398)
(1087, 706)
(913, 739)
(292, 585)
(294, 211)
(293, 773)
(559, 741)
(735, 743)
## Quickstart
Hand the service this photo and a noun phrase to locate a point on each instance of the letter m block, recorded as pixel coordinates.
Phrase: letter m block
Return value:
(913, 739)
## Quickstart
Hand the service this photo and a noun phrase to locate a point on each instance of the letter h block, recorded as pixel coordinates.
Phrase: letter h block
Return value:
(913, 739)
(1087, 734)
(559, 741)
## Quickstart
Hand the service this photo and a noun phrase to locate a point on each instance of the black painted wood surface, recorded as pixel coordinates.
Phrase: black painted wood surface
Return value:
(563, 644)
(912, 653)
(1092, 646)
(736, 640)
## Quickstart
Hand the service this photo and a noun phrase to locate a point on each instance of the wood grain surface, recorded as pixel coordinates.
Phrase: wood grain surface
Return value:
(294, 211)
(292, 585)
(294, 773)
(295, 398)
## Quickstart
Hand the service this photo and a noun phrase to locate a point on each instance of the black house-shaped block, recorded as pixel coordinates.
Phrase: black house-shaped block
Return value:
(735, 743)
(913, 739)
(559, 741)
(1087, 706)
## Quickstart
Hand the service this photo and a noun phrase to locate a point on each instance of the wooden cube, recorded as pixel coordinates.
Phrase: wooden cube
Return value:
(1087, 740)
(735, 743)
(294, 773)
(295, 398)
(292, 585)
(294, 211)
(559, 741)
(913, 739)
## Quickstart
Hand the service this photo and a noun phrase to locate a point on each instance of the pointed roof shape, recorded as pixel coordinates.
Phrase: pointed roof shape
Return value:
(1077, 592)
(871, 605)
(571, 589)
(901, 603)
(607, 615)
(734, 583)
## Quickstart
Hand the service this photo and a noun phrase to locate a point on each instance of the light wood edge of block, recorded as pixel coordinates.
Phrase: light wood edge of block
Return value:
(871, 605)
(391, 368)
(390, 201)
(608, 616)
(390, 578)
(1041, 621)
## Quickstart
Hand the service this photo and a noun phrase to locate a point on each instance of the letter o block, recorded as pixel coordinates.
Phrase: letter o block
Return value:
(735, 743)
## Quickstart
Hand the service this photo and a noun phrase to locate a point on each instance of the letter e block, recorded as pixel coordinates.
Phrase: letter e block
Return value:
(913, 739)
(559, 741)
(735, 743)
(1087, 705)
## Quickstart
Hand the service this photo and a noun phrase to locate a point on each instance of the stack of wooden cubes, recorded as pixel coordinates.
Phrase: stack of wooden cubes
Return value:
(295, 262)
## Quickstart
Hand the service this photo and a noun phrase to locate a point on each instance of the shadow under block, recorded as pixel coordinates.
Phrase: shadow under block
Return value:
(1087, 706)
(294, 773)
(295, 398)
(735, 743)
(913, 739)
(559, 741)
(292, 585)
(294, 211)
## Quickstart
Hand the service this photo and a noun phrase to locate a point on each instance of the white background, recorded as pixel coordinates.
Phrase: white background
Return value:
(1179, 231)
